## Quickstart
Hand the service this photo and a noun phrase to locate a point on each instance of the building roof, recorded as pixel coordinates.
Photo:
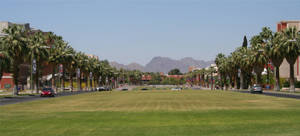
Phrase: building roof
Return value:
(289, 21)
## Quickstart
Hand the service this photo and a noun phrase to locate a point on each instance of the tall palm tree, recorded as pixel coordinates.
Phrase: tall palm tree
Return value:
(259, 57)
(5, 62)
(80, 59)
(276, 51)
(220, 61)
(266, 36)
(292, 47)
(66, 60)
(15, 46)
(211, 71)
(237, 56)
(55, 55)
(38, 51)
(246, 66)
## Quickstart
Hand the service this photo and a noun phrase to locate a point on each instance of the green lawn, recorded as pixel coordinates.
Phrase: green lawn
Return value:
(154, 113)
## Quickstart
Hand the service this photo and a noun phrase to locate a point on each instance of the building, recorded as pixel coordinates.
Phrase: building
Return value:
(7, 79)
(92, 56)
(6, 24)
(193, 68)
(284, 68)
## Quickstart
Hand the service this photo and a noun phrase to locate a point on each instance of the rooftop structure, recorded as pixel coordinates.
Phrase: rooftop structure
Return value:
(6, 24)
(284, 67)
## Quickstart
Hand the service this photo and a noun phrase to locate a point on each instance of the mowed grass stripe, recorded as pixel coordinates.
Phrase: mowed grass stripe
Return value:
(156, 101)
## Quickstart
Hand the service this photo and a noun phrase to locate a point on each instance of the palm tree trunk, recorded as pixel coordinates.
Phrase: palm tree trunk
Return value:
(86, 82)
(91, 83)
(37, 77)
(63, 83)
(242, 80)
(236, 81)
(53, 78)
(258, 76)
(277, 79)
(16, 76)
(292, 78)
(71, 80)
(230, 82)
(268, 75)
(80, 82)
(212, 80)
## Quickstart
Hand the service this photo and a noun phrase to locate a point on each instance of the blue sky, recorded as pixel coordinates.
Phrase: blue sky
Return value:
(136, 30)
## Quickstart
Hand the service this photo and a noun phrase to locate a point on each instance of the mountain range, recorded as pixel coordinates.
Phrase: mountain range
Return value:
(164, 64)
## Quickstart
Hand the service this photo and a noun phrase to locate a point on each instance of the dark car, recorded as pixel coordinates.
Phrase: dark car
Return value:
(108, 88)
(256, 89)
(124, 89)
(47, 92)
(101, 88)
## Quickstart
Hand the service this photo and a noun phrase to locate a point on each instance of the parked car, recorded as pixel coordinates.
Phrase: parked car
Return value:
(108, 88)
(47, 92)
(124, 89)
(144, 89)
(101, 88)
(176, 89)
(256, 89)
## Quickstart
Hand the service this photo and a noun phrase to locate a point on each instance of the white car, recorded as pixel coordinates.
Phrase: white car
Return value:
(176, 89)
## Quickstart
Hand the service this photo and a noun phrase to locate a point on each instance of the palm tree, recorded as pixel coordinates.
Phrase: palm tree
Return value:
(276, 51)
(38, 51)
(221, 69)
(5, 62)
(292, 47)
(55, 54)
(237, 56)
(211, 71)
(259, 57)
(15, 46)
(66, 61)
(266, 36)
(246, 66)
(82, 61)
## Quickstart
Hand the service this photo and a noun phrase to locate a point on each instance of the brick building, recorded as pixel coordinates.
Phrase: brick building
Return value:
(284, 68)
(7, 80)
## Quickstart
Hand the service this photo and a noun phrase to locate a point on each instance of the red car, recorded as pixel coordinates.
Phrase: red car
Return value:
(47, 92)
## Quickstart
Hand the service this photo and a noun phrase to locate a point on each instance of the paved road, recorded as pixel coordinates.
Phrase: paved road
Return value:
(18, 99)
(276, 94)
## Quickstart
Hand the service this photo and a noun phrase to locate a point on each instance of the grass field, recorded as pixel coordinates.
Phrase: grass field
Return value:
(154, 113)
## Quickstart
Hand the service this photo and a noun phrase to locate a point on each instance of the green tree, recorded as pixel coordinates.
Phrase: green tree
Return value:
(276, 51)
(38, 51)
(15, 46)
(5, 62)
(221, 64)
(245, 42)
(175, 71)
(55, 55)
(66, 59)
(292, 47)
(259, 57)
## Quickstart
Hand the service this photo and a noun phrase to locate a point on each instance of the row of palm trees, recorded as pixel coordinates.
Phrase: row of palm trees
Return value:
(203, 77)
(41, 50)
(267, 48)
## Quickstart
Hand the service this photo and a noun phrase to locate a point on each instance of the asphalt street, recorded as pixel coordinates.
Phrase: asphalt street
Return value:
(18, 99)
(276, 94)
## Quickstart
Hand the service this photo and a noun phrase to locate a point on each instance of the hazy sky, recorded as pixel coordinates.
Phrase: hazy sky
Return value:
(137, 30)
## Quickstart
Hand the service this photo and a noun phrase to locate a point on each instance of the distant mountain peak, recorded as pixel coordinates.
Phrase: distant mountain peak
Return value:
(165, 64)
